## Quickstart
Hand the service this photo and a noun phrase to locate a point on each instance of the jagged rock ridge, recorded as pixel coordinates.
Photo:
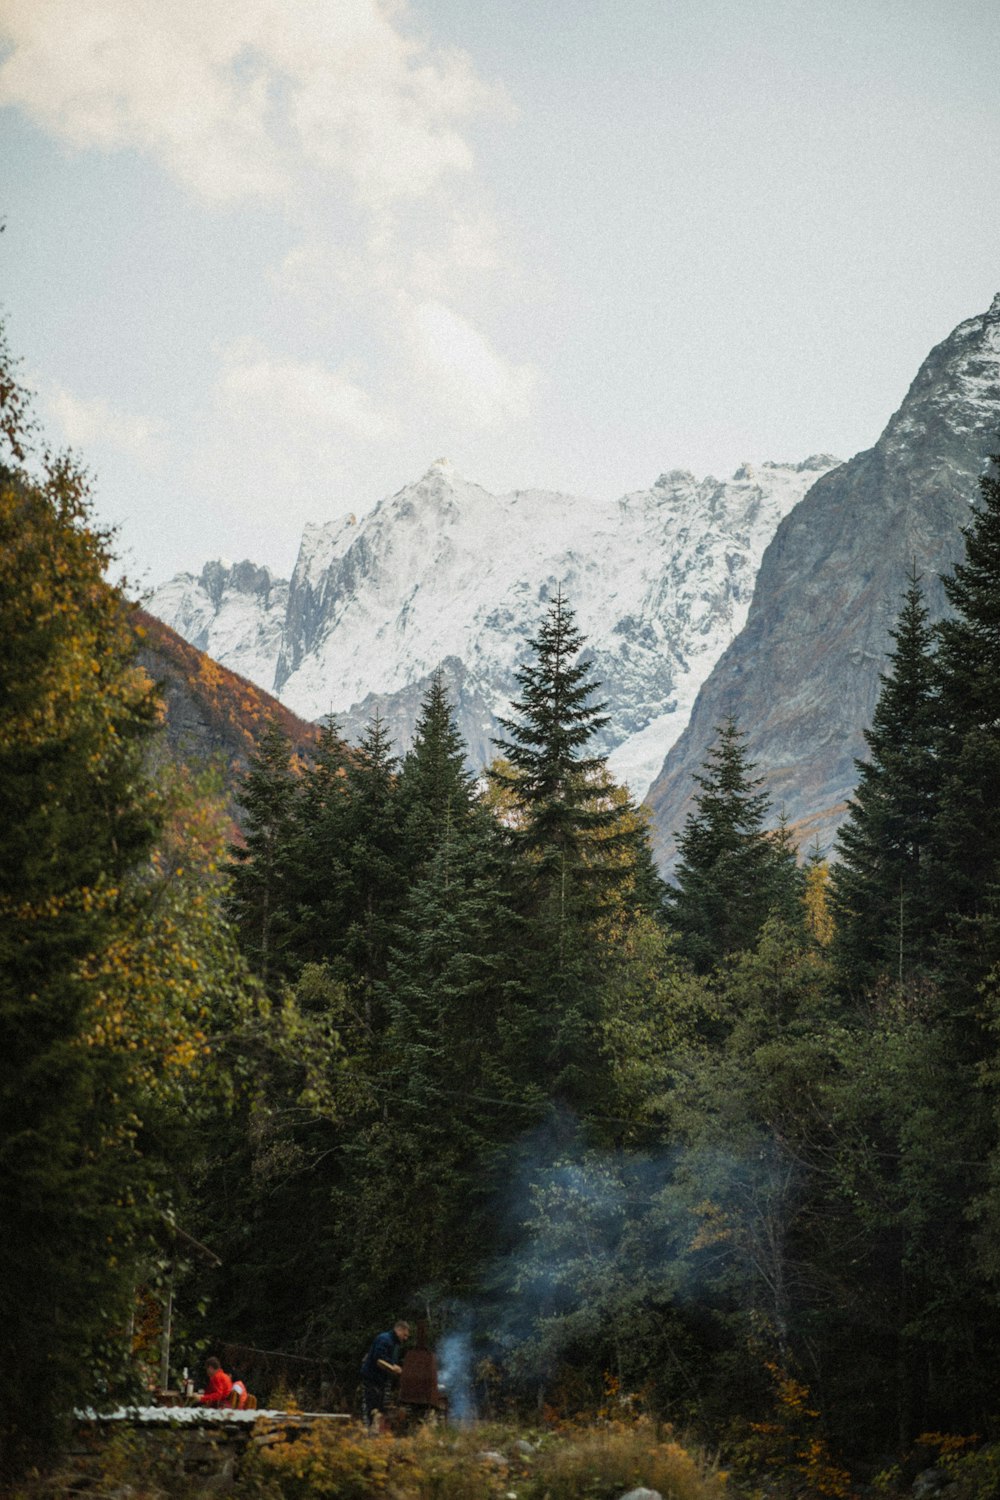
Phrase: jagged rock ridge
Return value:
(802, 677)
(446, 576)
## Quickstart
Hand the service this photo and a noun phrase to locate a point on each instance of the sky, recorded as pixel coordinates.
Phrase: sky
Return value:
(265, 261)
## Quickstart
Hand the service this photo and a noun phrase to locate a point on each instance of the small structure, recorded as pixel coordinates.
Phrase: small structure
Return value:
(419, 1395)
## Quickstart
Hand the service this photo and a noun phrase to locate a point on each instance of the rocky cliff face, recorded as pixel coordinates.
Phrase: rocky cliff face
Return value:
(444, 575)
(236, 614)
(802, 677)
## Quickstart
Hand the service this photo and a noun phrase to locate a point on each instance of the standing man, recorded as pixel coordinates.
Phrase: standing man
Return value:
(217, 1391)
(378, 1364)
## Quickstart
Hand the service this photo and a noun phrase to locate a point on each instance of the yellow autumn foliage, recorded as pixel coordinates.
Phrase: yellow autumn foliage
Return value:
(600, 1461)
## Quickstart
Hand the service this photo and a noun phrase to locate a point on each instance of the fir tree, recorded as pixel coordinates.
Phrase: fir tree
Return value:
(568, 834)
(77, 821)
(320, 884)
(554, 782)
(730, 872)
(373, 852)
(879, 882)
(965, 866)
(428, 1157)
(788, 883)
(260, 900)
(435, 789)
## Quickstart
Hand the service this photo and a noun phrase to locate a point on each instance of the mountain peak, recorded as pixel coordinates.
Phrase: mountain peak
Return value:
(802, 677)
(442, 468)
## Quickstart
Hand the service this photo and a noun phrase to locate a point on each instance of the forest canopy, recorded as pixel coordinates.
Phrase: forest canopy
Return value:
(417, 1042)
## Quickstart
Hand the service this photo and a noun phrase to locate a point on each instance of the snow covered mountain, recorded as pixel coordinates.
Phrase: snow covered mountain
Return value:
(236, 615)
(445, 576)
(802, 678)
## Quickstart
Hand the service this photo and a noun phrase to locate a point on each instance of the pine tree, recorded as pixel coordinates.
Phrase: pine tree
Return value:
(373, 855)
(963, 856)
(787, 877)
(428, 1155)
(77, 820)
(730, 872)
(879, 881)
(317, 855)
(436, 791)
(567, 832)
(260, 900)
(554, 782)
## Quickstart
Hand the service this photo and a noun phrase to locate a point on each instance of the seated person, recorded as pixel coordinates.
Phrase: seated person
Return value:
(216, 1393)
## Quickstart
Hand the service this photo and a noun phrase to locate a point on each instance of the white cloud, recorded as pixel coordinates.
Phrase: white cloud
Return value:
(88, 423)
(360, 133)
(236, 97)
(302, 400)
(468, 377)
(141, 73)
(281, 442)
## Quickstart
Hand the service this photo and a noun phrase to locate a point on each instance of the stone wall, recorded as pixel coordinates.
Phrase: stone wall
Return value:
(205, 1448)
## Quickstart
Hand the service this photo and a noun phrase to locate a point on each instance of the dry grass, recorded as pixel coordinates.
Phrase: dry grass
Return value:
(599, 1462)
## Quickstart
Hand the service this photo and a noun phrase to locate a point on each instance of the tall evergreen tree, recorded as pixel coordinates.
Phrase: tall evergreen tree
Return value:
(880, 879)
(77, 822)
(554, 781)
(260, 898)
(788, 883)
(427, 1155)
(568, 834)
(436, 791)
(730, 873)
(965, 844)
(373, 855)
(317, 852)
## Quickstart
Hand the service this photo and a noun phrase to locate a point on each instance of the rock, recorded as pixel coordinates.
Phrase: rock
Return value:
(802, 677)
(491, 1459)
(930, 1482)
(642, 1494)
(445, 576)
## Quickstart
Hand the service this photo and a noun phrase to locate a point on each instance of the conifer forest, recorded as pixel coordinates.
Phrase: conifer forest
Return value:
(415, 1042)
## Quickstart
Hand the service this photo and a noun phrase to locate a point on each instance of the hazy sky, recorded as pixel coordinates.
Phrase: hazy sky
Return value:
(265, 260)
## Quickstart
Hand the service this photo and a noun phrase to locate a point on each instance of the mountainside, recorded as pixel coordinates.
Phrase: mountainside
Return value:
(802, 677)
(235, 614)
(209, 713)
(445, 576)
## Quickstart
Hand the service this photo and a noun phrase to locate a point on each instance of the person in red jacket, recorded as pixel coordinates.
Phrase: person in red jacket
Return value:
(216, 1393)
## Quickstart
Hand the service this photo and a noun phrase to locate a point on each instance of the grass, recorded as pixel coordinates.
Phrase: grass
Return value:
(597, 1462)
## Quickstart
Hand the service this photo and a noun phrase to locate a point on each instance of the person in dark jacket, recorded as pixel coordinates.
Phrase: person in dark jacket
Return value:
(378, 1365)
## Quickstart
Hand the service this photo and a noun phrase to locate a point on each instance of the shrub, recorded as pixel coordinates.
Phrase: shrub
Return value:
(603, 1462)
(480, 1463)
(325, 1461)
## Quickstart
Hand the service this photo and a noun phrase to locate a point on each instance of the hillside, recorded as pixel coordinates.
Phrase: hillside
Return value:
(210, 713)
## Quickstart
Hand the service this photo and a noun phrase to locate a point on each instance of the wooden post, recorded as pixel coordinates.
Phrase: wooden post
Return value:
(168, 1312)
